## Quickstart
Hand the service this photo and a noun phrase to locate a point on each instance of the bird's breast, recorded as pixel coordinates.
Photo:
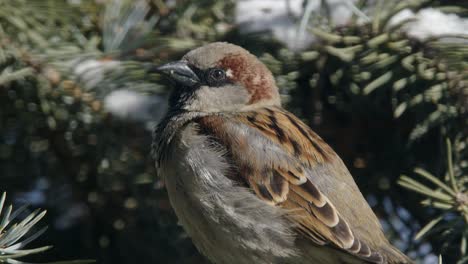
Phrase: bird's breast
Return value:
(226, 221)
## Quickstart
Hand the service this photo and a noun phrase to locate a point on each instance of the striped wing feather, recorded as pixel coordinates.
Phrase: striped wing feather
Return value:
(283, 180)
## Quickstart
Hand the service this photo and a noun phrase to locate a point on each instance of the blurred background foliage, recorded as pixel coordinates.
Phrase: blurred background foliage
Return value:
(384, 89)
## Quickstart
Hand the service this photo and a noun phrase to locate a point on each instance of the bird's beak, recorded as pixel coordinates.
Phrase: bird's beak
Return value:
(179, 71)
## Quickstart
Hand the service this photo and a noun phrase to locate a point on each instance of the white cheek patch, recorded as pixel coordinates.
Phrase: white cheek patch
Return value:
(229, 73)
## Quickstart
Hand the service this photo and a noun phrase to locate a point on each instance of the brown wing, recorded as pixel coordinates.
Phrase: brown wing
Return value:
(288, 165)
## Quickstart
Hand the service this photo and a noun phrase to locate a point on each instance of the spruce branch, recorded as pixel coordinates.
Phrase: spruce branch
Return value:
(15, 235)
(377, 61)
(448, 196)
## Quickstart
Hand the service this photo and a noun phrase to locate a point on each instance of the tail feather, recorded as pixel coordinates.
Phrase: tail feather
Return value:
(323, 254)
(394, 256)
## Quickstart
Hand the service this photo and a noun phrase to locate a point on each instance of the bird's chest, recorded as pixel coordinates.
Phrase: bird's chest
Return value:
(226, 222)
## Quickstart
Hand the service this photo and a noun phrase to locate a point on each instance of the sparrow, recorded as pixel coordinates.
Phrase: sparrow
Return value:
(248, 180)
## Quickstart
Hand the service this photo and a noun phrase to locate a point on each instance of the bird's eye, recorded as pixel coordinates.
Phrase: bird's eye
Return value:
(216, 76)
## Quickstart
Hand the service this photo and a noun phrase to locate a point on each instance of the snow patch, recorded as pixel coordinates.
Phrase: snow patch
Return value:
(283, 18)
(431, 22)
(130, 105)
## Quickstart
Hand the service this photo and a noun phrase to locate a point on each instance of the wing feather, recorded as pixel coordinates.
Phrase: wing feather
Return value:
(278, 157)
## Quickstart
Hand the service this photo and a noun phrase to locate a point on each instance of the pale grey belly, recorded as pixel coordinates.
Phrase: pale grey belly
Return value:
(226, 222)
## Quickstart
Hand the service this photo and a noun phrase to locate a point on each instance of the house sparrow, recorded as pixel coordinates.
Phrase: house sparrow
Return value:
(249, 181)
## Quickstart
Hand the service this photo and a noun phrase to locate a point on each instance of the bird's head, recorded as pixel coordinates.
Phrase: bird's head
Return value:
(220, 77)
